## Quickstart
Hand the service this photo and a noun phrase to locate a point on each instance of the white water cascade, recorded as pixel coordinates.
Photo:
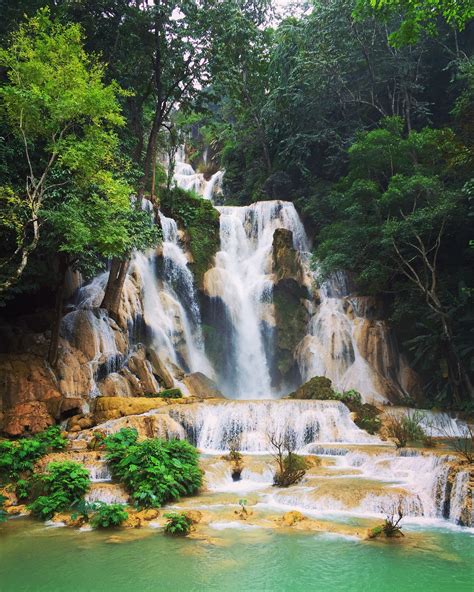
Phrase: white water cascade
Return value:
(248, 425)
(242, 279)
(170, 309)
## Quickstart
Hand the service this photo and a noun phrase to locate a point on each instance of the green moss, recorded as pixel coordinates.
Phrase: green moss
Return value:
(291, 322)
(201, 221)
(318, 387)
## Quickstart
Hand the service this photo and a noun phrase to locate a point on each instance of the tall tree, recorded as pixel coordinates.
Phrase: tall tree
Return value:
(72, 199)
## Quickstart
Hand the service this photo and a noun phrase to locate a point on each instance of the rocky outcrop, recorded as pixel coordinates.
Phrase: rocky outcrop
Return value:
(30, 399)
(290, 311)
(202, 387)
(106, 408)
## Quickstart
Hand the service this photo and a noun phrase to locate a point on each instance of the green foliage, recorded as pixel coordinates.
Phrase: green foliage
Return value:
(60, 487)
(405, 428)
(109, 516)
(3, 514)
(419, 16)
(201, 221)
(318, 387)
(19, 456)
(154, 471)
(367, 418)
(172, 393)
(59, 108)
(178, 524)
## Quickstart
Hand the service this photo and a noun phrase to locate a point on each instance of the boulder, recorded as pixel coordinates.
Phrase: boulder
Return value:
(318, 387)
(202, 387)
(159, 369)
(141, 367)
(286, 263)
(291, 518)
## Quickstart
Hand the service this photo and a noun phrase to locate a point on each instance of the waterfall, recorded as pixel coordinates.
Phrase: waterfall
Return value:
(170, 308)
(248, 425)
(242, 280)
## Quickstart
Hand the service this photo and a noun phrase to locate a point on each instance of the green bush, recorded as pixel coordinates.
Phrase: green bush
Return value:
(19, 456)
(178, 524)
(172, 393)
(60, 487)
(320, 388)
(201, 221)
(367, 418)
(153, 471)
(109, 515)
(405, 428)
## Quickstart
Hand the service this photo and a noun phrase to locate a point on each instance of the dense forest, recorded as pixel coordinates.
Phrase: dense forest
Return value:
(361, 112)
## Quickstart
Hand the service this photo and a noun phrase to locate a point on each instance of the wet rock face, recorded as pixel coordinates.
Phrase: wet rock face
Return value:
(291, 316)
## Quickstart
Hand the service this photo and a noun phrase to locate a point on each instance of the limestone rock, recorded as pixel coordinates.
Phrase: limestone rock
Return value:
(194, 515)
(286, 264)
(291, 518)
(116, 385)
(114, 407)
(202, 387)
(31, 417)
(159, 369)
(141, 367)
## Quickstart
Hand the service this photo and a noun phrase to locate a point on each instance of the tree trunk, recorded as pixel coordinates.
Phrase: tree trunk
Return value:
(150, 157)
(58, 311)
(113, 290)
(462, 387)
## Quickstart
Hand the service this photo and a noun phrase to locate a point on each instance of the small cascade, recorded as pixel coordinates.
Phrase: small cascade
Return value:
(332, 347)
(187, 178)
(242, 280)
(170, 308)
(248, 425)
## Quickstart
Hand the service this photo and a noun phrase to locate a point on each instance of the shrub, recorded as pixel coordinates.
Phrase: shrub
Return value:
(318, 387)
(367, 418)
(60, 487)
(178, 524)
(405, 428)
(291, 467)
(172, 393)
(154, 471)
(19, 456)
(109, 515)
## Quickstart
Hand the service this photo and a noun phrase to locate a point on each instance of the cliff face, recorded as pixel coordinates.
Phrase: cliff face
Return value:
(160, 340)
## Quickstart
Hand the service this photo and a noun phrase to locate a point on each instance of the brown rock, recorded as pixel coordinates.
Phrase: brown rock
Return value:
(291, 518)
(141, 367)
(32, 417)
(160, 370)
(114, 407)
(194, 515)
(202, 387)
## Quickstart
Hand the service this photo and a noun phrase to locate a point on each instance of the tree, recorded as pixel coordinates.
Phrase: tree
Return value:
(420, 16)
(75, 203)
(395, 216)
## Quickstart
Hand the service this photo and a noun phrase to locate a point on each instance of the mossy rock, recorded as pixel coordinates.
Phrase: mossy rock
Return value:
(200, 220)
(291, 323)
(318, 388)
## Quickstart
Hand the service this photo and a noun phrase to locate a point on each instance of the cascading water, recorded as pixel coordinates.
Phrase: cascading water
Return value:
(249, 424)
(242, 280)
(170, 309)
